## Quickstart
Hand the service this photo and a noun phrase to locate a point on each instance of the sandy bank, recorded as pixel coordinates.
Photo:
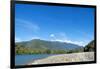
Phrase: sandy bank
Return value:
(65, 58)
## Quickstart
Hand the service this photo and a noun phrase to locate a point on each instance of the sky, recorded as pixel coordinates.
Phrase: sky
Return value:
(54, 23)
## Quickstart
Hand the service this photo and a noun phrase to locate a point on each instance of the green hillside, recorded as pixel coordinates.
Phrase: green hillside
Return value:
(38, 46)
(89, 47)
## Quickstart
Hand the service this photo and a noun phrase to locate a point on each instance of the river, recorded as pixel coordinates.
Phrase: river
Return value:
(25, 59)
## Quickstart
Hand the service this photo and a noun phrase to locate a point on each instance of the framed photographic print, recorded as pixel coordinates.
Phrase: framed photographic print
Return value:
(50, 34)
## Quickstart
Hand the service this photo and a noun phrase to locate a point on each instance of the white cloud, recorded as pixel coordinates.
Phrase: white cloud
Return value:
(70, 41)
(61, 37)
(52, 35)
(27, 25)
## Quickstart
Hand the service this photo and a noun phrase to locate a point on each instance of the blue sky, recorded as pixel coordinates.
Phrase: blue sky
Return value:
(64, 24)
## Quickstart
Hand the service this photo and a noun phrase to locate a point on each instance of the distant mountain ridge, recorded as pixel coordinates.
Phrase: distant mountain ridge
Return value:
(52, 45)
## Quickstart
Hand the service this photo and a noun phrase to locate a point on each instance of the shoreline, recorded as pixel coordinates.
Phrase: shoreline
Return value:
(65, 58)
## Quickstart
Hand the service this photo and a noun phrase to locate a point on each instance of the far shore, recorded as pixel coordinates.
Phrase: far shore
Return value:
(65, 58)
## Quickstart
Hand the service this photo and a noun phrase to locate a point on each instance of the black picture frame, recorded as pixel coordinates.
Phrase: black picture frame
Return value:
(12, 29)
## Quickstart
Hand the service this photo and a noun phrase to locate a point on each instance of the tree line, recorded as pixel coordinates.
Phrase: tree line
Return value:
(25, 50)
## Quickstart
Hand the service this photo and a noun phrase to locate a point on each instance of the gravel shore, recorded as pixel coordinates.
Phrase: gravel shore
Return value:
(65, 58)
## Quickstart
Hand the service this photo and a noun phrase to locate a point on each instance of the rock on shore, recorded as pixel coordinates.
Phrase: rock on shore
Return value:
(65, 58)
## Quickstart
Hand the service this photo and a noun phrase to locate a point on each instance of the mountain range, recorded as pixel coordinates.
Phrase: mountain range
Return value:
(51, 45)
